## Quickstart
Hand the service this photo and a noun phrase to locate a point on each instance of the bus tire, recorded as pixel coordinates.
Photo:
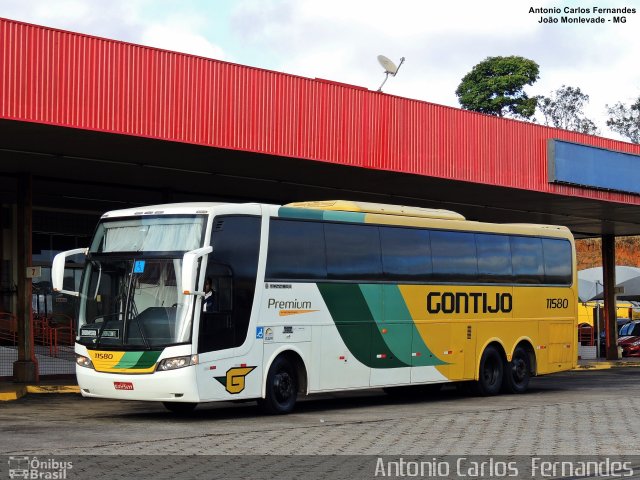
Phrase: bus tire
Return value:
(491, 372)
(281, 388)
(180, 408)
(517, 372)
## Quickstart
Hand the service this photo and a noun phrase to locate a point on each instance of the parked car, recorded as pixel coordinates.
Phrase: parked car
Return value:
(622, 323)
(629, 339)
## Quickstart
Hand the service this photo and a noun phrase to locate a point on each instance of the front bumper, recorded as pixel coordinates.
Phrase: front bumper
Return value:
(171, 386)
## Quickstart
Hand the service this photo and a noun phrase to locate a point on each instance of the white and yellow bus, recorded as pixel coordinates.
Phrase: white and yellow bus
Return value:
(317, 297)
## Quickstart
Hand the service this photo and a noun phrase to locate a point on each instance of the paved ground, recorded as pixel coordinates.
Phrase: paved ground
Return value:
(587, 413)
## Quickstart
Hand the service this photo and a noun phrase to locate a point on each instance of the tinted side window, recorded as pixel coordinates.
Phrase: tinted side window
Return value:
(494, 258)
(353, 252)
(526, 255)
(454, 256)
(406, 253)
(296, 250)
(557, 261)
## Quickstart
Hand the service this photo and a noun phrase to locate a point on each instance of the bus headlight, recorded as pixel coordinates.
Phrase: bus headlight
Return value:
(84, 361)
(177, 362)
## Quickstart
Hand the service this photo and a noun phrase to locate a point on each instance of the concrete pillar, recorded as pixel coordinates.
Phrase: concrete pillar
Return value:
(609, 280)
(26, 368)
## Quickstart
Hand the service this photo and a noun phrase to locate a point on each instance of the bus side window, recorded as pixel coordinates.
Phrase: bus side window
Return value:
(232, 266)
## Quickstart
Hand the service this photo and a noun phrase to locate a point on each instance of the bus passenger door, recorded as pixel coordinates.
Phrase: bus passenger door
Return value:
(223, 372)
(216, 320)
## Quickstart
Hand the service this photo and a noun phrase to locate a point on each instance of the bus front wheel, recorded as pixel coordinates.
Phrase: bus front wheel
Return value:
(518, 372)
(281, 388)
(491, 372)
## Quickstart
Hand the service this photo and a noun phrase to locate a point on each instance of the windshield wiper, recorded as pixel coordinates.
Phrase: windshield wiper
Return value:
(147, 345)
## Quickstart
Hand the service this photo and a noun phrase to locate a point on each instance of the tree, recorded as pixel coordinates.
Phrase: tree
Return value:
(625, 120)
(564, 109)
(495, 86)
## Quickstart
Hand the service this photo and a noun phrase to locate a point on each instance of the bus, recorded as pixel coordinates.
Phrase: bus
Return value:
(318, 296)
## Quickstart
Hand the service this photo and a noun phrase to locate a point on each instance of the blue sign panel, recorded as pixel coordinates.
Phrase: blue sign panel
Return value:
(259, 333)
(593, 167)
(138, 267)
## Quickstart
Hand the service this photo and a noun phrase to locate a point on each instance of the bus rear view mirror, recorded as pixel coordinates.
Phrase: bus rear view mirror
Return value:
(57, 270)
(190, 269)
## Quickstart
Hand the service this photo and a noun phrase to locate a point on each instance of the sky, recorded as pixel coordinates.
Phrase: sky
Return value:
(340, 40)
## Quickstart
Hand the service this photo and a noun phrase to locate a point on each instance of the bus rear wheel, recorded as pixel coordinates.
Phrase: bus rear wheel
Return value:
(491, 372)
(180, 408)
(281, 388)
(518, 372)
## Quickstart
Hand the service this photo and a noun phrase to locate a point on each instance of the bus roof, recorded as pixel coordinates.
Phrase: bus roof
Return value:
(379, 208)
(164, 209)
(375, 212)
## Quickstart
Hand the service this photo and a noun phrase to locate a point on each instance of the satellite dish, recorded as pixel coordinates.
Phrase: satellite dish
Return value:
(388, 65)
(389, 68)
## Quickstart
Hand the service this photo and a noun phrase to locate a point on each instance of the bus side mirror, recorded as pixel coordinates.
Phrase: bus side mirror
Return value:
(57, 270)
(190, 269)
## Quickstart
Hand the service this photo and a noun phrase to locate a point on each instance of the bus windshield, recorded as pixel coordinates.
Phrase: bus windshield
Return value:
(131, 295)
(133, 302)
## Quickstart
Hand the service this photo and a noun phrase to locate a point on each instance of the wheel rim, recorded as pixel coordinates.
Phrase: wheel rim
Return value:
(283, 386)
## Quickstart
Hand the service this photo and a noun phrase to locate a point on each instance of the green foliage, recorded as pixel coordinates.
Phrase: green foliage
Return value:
(625, 120)
(495, 86)
(564, 109)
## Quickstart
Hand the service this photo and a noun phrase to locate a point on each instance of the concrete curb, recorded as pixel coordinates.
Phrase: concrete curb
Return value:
(14, 392)
(605, 365)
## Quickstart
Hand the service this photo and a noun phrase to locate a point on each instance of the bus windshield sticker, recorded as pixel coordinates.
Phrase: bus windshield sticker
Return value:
(139, 266)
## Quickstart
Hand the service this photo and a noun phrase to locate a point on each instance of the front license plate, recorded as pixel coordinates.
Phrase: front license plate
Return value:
(123, 385)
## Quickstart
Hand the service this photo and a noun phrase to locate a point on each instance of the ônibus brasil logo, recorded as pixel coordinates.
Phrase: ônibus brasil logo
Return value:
(38, 468)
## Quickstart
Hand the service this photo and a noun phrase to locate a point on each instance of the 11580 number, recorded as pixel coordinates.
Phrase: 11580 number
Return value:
(557, 302)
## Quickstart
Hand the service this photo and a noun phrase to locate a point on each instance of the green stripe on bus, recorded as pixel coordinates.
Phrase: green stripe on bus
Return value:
(396, 326)
(395, 308)
(147, 360)
(129, 359)
(302, 213)
(396, 335)
(313, 214)
(138, 360)
(335, 216)
(356, 324)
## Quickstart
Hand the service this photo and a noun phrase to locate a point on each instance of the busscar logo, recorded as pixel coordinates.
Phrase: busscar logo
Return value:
(234, 380)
